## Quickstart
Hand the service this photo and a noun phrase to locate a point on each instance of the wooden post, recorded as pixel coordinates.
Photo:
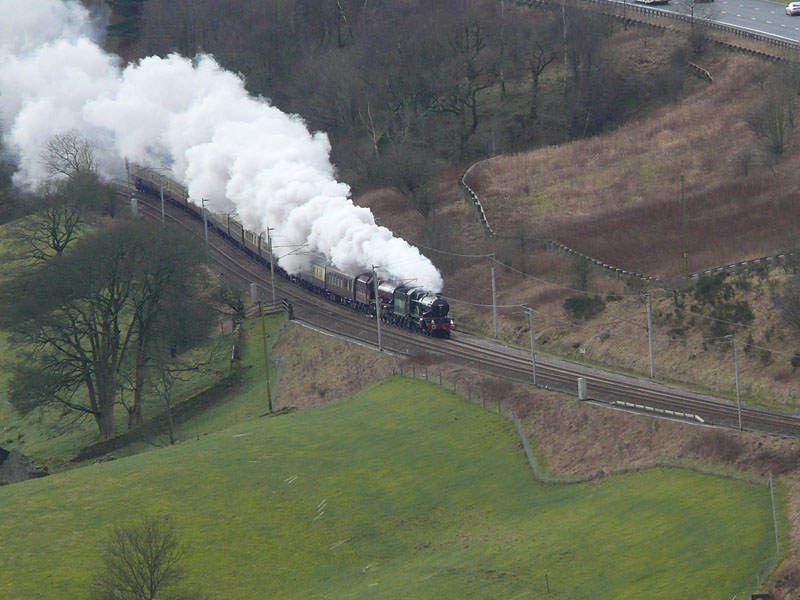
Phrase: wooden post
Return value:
(494, 295)
(774, 516)
(266, 355)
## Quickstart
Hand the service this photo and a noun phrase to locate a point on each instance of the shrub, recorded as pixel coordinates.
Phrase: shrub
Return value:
(787, 580)
(717, 445)
(795, 362)
(777, 461)
(727, 314)
(709, 289)
(584, 307)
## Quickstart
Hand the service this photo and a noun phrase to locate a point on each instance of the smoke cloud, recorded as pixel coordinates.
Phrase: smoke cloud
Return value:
(198, 120)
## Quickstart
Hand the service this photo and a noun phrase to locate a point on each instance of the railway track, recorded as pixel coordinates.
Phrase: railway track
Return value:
(626, 392)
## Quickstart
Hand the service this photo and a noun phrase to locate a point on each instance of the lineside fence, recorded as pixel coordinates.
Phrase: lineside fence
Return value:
(475, 395)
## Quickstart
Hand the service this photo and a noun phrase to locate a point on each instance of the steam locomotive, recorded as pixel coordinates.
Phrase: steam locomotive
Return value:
(401, 305)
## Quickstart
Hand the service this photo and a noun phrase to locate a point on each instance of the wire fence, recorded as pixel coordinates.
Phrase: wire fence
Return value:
(472, 392)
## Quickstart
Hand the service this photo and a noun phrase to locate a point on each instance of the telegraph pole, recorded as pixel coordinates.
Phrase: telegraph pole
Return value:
(650, 333)
(685, 241)
(529, 310)
(494, 294)
(205, 226)
(736, 368)
(377, 307)
(161, 191)
(266, 354)
(271, 264)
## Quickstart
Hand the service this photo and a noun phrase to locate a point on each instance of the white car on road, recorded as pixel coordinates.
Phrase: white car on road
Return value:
(793, 9)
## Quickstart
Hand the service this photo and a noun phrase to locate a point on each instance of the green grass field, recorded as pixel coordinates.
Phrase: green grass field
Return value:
(403, 491)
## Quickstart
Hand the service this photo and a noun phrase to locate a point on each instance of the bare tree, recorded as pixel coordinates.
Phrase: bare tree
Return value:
(169, 308)
(9, 205)
(59, 211)
(409, 169)
(56, 221)
(533, 46)
(143, 561)
(774, 121)
(92, 312)
(69, 154)
(61, 205)
(699, 12)
(169, 368)
(470, 66)
(230, 302)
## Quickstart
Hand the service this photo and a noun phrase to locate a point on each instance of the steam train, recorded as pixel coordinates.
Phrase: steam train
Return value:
(398, 304)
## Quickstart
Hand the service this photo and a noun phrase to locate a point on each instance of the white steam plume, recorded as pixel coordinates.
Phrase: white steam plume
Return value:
(236, 150)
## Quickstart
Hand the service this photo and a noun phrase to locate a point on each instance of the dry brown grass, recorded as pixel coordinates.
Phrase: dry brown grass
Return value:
(322, 369)
(618, 196)
(787, 580)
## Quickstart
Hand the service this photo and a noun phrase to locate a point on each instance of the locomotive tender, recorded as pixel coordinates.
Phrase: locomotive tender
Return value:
(401, 305)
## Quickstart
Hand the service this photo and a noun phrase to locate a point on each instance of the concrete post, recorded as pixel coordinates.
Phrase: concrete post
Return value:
(583, 392)
(271, 264)
(377, 307)
(650, 334)
(205, 226)
(494, 295)
(533, 341)
(738, 388)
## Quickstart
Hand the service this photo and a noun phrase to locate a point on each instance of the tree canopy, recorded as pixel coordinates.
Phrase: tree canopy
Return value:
(93, 313)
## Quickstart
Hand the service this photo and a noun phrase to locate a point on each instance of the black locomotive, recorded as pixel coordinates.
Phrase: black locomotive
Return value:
(401, 305)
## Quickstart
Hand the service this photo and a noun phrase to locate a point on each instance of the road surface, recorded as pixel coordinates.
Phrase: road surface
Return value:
(759, 15)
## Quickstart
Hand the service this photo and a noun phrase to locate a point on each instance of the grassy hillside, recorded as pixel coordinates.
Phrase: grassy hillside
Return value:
(618, 196)
(53, 436)
(403, 491)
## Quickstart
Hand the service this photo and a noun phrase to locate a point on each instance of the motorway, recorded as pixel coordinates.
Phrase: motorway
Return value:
(758, 15)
